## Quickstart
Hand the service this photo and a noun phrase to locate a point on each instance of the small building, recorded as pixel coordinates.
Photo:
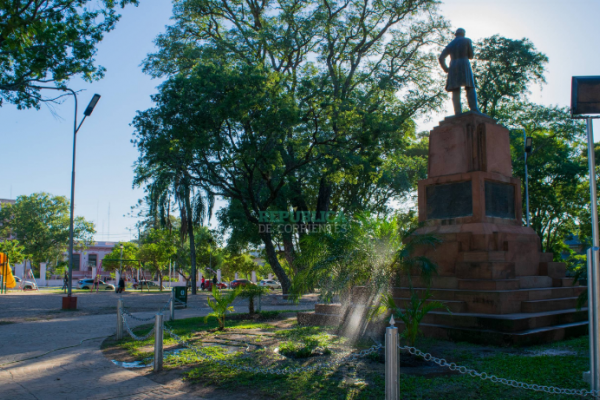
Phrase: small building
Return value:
(90, 259)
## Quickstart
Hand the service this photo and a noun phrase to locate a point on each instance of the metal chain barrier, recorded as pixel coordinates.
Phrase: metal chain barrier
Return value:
(278, 371)
(493, 378)
(125, 312)
(133, 335)
(164, 307)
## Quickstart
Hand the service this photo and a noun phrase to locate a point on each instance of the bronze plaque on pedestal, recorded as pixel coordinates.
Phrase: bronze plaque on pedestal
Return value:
(499, 200)
(451, 200)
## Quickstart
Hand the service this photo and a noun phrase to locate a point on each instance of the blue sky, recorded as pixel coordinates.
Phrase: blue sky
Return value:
(37, 145)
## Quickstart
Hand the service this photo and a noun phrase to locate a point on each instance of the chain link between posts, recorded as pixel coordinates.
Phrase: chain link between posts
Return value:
(133, 335)
(277, 371)
(493, 378)
(152, 318)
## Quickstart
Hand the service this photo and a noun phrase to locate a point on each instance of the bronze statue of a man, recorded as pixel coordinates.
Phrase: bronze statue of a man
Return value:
(460, 74)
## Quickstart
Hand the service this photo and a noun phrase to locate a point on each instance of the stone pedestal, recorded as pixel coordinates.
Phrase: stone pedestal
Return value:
(492, 274)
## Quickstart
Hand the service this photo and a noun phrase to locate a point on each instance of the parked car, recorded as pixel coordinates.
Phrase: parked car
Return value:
(146, 285)
(241, 282)
(270, 283)
(25, 284)
(208, 285)
(87, 284)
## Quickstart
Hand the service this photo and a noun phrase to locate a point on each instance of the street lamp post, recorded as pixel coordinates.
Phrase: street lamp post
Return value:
(528, 144)
(88, 111)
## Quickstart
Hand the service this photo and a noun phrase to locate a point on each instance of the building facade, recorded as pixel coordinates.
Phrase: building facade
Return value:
(85, 262)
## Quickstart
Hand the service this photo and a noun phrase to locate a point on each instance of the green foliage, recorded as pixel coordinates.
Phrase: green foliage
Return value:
(111, 262)
(40, 222)
(267, 126)
(13, 250)
(414, 313)
(367, 251)
(557, 168)
(505, 68)
(241, 263)
(157, 250)
(50, 41)
(252, 292)
(221, 305)
(529, 364)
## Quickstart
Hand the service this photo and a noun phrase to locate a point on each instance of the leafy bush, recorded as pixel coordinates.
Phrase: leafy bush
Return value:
(365, 251)
(415, 311)
(251, 292)
(221, 305)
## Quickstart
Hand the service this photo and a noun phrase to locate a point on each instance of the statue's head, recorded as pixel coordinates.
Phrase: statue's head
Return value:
(460, 32)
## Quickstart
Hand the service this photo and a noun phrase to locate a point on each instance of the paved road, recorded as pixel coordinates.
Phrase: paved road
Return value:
(41, 305)
(80, 372)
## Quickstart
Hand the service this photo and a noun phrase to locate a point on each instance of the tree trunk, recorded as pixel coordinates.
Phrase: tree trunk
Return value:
(160, 281)
(274, 262)
(251, 305)
(191, 235)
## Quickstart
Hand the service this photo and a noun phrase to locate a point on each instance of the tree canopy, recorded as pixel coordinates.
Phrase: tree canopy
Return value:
(127, 259)
(287, 105)
(557, 169)
(505, 69)
(50, 41)
(156, 251)
(40, 222)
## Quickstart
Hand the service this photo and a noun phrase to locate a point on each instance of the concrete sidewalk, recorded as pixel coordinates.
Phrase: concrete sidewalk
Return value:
(80, 372)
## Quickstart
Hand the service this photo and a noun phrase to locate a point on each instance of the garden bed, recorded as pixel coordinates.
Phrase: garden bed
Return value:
(274, 340)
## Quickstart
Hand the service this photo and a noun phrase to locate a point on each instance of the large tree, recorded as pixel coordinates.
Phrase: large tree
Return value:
(50, 41)
(505, 69)
(288, 105)
(40, 222)
(557, 169)
(158, 248)
(123, 260)
(170, 181)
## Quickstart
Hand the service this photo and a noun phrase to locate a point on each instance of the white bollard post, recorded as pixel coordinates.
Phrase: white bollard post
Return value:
(392, 361)
(42, 280)
(172, 306)
(119, 319)
(253, 277)
(219, 275)
(236, 276)
(158, 343)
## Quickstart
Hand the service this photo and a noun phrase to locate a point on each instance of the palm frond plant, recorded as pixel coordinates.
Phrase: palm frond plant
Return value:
(416, 309)
(366, 251)
(221, 305)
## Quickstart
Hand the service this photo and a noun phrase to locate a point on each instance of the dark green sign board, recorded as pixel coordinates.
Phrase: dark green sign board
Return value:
(180, 295)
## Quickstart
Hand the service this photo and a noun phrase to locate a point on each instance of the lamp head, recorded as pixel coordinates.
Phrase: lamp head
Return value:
(92, 105)
(528, 144)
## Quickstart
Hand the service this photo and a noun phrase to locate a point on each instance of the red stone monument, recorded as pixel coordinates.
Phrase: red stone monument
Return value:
(492, 274)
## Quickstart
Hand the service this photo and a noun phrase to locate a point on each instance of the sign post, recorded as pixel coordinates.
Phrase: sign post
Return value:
(585, 104)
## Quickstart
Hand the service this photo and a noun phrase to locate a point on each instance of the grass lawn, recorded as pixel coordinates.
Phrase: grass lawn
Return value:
(276, 341)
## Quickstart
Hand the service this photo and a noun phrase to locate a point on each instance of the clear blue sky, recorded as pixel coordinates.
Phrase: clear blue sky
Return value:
(37, 145)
